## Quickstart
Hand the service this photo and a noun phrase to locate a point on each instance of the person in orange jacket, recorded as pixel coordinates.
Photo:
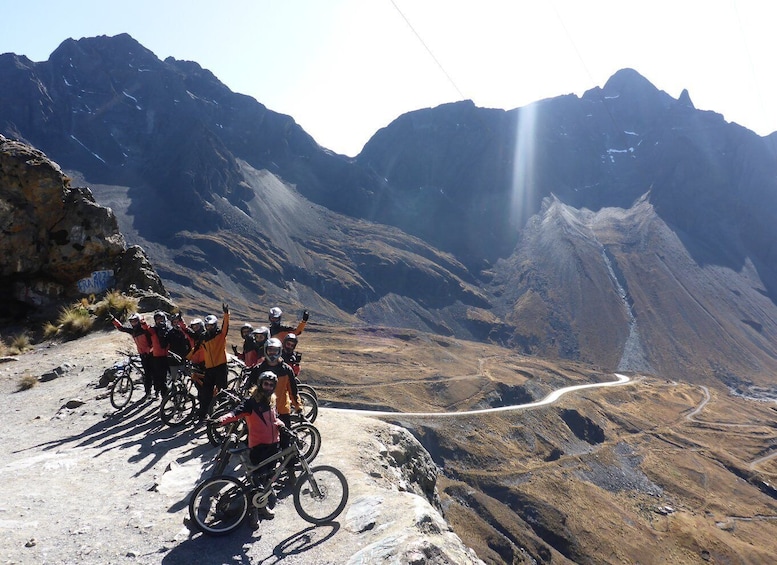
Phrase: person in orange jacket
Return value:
(279, 330)
(214, 345)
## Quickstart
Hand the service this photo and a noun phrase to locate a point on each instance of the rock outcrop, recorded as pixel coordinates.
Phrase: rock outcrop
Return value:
(55, 235)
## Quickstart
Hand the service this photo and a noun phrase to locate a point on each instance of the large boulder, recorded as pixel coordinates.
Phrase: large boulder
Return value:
(56, 237)
(50, 231)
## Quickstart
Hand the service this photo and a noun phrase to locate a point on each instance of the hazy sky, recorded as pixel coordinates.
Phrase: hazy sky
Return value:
(345, 68)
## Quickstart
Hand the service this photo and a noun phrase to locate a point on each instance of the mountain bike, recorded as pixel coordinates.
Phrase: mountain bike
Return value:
(308, 435)
(226, 400)
(180, 404)
(124, 383)
(220, 504)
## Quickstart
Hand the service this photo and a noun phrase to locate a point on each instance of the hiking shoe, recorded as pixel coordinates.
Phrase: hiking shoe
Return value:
(265, 513)
(253, 518)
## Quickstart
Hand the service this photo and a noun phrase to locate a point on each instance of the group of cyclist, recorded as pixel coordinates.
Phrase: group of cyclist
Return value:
(164, 345)
(268, 352)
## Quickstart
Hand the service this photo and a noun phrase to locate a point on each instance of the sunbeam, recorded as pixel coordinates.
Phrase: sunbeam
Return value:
(522, 194)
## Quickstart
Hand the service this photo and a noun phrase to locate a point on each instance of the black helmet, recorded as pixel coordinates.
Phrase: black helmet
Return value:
(267, 376)
(290, 338)
(245, 330)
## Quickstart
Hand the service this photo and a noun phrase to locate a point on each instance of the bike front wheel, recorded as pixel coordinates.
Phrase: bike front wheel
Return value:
(309, 406)
(308, 389)
(309, 440)
(321, 495)
(177, 408)
(216, 433)
(121, 391)
(219, 505)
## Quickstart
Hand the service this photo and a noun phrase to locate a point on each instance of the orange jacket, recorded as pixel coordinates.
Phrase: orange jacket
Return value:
(286, 390)
(281, 331)
(215, 347)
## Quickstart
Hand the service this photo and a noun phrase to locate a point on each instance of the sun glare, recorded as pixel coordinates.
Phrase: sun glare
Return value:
(523, 166)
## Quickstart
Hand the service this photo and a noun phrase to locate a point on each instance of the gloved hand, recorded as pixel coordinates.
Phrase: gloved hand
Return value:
(305, 316)
(225, 307)
(234, 349)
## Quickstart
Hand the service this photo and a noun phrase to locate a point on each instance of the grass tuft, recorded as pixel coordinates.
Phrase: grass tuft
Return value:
(75, 321)
(19, 344)
(27, 381)
(50, 330)
(115, 303)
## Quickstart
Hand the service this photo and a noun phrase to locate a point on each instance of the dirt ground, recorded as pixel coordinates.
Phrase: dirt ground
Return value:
(84, 483)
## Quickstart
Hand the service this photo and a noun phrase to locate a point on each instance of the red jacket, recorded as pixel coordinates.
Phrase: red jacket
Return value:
(141, 336)
(156, 348)
(262, 420)
(197, 353)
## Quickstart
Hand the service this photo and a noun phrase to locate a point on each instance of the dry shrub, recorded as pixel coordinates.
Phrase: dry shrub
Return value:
(50, 330)
(75, 321)
(19, 344)
(27, 381)
(115, 303)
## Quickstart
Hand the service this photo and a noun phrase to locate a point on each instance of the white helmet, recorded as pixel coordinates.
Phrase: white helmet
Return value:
(272, 349)
(275, 313)
(211, 320)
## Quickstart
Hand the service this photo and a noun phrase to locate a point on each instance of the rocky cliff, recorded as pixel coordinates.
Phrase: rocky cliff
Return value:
(57, 241)
(53, 235)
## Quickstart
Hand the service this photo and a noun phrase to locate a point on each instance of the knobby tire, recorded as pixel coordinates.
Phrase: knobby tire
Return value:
(219, 505)
(320, 497)
(121, 391)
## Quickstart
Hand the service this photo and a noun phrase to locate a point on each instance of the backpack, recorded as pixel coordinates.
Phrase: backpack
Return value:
(177, 342)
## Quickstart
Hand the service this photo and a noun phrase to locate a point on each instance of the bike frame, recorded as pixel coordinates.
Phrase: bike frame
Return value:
(285, 456)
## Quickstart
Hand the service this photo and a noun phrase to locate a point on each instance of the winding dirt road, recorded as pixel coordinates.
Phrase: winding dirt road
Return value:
(550, 399)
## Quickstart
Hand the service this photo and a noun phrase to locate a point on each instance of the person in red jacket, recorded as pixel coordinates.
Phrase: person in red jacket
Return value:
(142, 339)
(258, 410)
(159, 362)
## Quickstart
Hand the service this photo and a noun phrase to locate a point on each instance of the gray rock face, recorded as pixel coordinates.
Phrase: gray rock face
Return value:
(135, 270)
(53, 235)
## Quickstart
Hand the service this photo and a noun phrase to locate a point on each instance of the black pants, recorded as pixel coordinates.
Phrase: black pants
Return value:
(159, 370)
(261, 452)
(148, 371)
(214, 377)
(285, 438)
